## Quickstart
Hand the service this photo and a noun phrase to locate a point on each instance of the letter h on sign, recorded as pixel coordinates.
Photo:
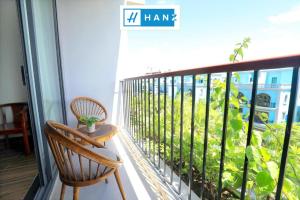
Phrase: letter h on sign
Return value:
(132, 17)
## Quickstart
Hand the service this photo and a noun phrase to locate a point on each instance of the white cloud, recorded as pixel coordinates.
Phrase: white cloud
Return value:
(290, 16)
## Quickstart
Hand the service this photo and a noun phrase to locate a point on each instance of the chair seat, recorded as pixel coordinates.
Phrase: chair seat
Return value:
(90, 170)
(10, 128)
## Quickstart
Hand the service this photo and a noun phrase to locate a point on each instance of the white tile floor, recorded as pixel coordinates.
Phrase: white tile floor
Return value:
(139, 179)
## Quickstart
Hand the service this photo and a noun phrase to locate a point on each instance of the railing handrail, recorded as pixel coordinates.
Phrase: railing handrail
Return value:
(260, 64)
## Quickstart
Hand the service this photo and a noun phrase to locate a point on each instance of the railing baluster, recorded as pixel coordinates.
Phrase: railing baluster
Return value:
(138, 111)
(192, 137)
(141, 113)
(292, 104)
(123, 88)
(224, 131)
(172, 130)
(153, 118)
(135, 113)
(165, 118)
(158, 121)
(181, 131)
(149, 118)
(205, 133)
(131, 109)
(249, 136)
(145, 113)
(127, 106)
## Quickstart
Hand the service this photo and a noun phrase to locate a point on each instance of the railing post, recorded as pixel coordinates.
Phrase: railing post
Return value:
(149, 133)
(223, 142)
(135, 113)
(145, 113)
(181, 131)
(158, 121)
(131, 109)
(165, 118)
(141, 113)
(205, 133)
(292, 104)
(123, 103)
(128, 106)
(192, 137)
(249, 136)
(153, 118)
(172, 131)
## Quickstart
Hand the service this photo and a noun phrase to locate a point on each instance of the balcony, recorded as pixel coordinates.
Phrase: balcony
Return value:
(173, 146)
(183, 134)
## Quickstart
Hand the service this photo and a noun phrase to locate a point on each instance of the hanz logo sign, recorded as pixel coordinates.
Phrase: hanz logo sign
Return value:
(149, 17)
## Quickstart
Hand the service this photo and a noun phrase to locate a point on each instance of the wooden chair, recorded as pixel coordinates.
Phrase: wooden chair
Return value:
(19, 122)
(78, 164)
(85, 106)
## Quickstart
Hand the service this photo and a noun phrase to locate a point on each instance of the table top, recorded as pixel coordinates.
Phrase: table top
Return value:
(103, 132)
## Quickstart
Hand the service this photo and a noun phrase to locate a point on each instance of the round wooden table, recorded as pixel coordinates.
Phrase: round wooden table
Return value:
(104, 132)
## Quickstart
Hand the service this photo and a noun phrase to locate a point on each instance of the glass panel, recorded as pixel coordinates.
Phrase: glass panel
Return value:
(47, 59)
(43, 21)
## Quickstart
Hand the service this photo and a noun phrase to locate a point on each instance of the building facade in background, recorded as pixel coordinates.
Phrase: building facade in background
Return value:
(273, 92)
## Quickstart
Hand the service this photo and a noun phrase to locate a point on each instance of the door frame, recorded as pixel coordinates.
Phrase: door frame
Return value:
(47, 175)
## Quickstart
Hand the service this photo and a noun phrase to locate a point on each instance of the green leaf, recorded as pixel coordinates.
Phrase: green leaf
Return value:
(256, 138)
(237, 76)
(265, 154)
(265, 182)
(231, 58)
(235, 102)
(241, 53)
(263, 179)
(288, 185)
(236, 124)
(273, 169)
(252, 154)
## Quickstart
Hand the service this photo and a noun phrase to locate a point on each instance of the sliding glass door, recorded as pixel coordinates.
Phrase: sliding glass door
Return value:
(44, 76)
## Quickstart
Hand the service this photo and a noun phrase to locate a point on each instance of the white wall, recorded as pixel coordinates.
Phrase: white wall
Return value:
(11, 87)
(89, 34)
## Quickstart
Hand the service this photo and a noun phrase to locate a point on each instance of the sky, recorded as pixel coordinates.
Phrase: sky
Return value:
(209, 31)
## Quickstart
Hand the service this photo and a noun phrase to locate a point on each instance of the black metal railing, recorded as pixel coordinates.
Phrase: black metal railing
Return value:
(146, 104)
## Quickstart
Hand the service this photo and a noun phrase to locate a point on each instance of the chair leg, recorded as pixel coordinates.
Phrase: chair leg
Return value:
(118, 179)
(75, 193)
(62, 192)
(26, 142)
